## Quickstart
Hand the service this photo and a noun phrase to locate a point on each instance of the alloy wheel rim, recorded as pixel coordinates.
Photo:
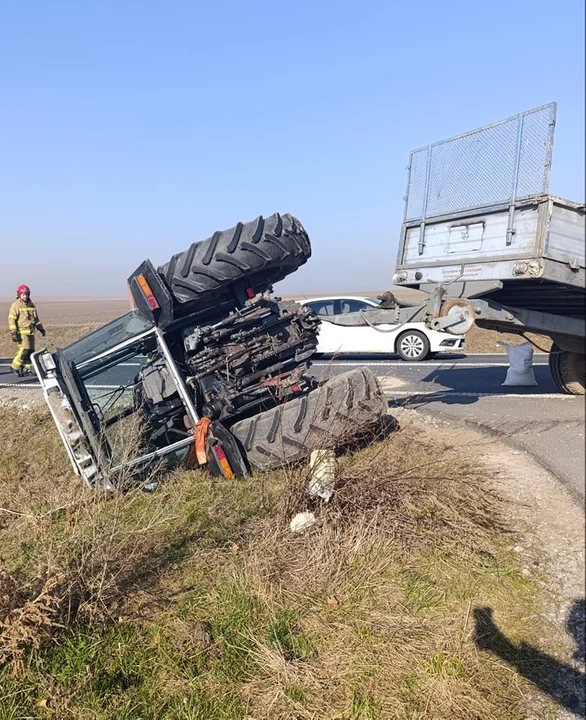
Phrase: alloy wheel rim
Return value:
(412, 346)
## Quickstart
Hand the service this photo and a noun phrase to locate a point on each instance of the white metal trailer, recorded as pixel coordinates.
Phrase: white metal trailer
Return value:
(546, 245)
(489, 244)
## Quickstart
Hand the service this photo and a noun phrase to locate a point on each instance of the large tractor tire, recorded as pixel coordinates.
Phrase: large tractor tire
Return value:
(327, 418)
(568, 370)
(260, 252)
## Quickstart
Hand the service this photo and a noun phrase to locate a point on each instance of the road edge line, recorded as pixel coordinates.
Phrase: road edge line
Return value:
(506, 439)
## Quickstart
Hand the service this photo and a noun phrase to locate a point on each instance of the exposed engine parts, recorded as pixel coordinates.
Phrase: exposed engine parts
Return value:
(255, 356)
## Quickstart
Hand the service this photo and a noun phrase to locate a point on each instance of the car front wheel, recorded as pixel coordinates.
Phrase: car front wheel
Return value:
(413, 346)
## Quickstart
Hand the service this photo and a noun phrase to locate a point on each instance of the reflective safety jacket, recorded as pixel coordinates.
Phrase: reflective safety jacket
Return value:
(22, 317)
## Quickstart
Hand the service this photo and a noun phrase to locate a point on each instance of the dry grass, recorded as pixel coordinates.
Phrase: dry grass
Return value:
(479, 340)
(196, 601)
(76, 311)
(68, 553)
(58, 336)
(66, 320)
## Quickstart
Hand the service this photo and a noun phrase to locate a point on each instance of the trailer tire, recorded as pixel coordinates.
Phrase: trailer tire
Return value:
(326, 418)
(261, 252)
(568, 370)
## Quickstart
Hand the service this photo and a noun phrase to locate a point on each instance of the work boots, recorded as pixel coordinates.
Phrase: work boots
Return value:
(21, 372)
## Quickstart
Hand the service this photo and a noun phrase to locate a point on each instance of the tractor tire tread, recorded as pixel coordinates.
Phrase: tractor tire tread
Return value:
(260, 252)
(289, 432)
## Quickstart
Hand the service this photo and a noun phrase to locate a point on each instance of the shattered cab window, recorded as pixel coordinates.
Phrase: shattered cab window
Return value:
(107, 337)
(136, 400)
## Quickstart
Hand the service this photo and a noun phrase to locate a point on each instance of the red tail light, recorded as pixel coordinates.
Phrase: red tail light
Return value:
(147, 292)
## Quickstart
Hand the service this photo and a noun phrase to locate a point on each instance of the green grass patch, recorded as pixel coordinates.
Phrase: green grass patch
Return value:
(196, 601)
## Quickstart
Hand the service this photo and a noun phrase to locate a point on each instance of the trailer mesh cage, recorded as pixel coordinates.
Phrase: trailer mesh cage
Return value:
(494, 165)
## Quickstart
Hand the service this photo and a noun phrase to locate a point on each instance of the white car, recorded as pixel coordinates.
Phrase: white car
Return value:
(411, 341)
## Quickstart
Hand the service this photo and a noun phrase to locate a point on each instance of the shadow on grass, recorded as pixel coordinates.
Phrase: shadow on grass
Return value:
(562, 682)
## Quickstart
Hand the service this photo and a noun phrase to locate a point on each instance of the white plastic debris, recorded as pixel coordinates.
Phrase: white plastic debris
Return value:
(520, 372)
(302, 521)
(322, 479)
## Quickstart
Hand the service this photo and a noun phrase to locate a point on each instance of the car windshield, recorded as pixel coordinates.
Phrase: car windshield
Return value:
(107, 337)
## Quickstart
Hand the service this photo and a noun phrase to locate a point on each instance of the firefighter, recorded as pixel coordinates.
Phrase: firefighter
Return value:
(22, 322)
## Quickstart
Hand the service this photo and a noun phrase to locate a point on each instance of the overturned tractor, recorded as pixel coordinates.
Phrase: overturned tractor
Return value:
(208, 369)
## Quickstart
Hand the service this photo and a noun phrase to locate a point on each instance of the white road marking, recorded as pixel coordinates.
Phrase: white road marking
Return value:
(26, 386)
(397, 363)
(123, 364)
(341, 357)
(416, 366)
(20, 385)
(447, 393)
(390, 393)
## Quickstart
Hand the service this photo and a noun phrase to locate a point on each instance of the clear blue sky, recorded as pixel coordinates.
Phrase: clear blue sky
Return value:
(130, 128)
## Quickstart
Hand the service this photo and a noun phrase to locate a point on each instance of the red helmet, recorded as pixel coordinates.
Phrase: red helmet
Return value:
(23, 289)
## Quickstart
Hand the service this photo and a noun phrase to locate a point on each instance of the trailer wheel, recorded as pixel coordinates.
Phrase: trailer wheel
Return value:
(326, 418)
(568, 370)
(259, 252)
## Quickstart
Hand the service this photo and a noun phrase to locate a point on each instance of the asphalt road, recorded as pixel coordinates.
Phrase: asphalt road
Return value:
(122, 374)
(468, 389)
(456, 374)
(481, 370)
(462, 388)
